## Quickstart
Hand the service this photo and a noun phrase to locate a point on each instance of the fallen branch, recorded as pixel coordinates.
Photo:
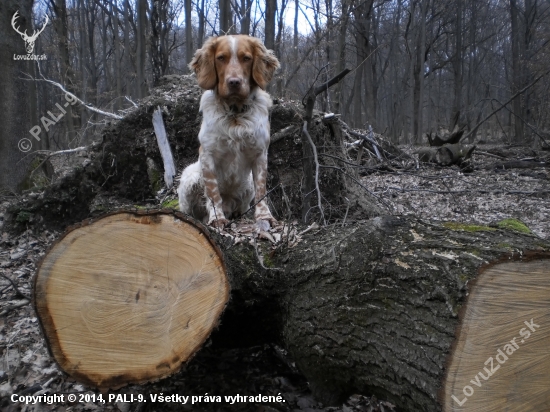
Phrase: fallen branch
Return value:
(316, 160)
(448, 192)
(17, 291)
(283, 134)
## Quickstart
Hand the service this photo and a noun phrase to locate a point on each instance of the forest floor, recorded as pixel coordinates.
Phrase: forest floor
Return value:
(485, 196)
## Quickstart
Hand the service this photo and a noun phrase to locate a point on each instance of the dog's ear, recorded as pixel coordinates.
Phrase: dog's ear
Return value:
(204, 66)
(264, 65)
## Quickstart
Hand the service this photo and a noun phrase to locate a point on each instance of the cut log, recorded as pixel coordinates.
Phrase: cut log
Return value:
(130, 297)
(505, 329)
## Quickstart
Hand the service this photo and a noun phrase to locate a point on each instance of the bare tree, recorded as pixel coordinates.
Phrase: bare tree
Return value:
(160, 29)
(141, 52)
(15, 115)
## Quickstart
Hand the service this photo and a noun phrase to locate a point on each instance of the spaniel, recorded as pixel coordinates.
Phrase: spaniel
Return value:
(234, 135)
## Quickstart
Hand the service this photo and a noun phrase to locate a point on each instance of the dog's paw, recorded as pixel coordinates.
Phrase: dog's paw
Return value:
(218, 223)
(263, 225)
(265, 222)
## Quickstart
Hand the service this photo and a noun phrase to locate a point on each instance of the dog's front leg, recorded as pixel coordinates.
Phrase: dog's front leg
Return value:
(259, 173)
(214, 204)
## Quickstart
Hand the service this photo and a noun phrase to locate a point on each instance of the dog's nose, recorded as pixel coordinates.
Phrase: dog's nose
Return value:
(234, 82)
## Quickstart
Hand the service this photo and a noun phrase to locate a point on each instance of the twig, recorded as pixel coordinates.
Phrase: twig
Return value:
(86, 105)
(131, 101)
(254, 205)
(477, 152)
(17, 291)
(347, 210)
(316, 160)
(447, 192)
(9, 308)
(281, 134)
(51, 154)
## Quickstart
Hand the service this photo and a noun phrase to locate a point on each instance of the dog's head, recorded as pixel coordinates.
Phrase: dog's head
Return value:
(233, 66)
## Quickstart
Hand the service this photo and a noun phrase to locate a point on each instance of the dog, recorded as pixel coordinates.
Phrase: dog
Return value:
(234, 136)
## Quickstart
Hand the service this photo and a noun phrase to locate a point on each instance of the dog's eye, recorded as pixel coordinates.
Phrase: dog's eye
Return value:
(247, 58)
(220, 58)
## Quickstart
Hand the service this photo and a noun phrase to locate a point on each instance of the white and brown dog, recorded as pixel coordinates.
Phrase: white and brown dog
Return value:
(234, 136)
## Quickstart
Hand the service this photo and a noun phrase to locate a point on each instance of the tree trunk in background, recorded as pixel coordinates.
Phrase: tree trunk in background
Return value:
(529, 19)
(226, 20)
(67, 73)
(160, 29)
(362, 40)
(93, 79)
(340, 54)
(117, 58)
(418, 74)
(270, 11)
(202, 18)
(15, 116)
(246, 10)
(189, 49)
(130, 78)
(472, 71)
(457, 64)
(371, 69)
(81, 20)
(516, 71)
(141, 54)
(295, 36)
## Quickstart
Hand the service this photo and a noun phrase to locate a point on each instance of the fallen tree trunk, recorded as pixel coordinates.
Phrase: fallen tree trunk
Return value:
(407, 310)
(447, 155)
(403, 309)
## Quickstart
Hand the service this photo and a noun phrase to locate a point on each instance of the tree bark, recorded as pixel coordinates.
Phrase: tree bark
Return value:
(375, 308)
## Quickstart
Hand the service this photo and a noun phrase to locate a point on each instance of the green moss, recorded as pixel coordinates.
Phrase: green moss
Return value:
(170, 204)
(23, 216)
(463, 277)
(268, 263)
(514, 224)
(467, 227)
(505, 245)
(140, 207)
(154, 179)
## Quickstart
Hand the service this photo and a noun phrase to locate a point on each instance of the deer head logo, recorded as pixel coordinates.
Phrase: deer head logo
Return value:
(29, 40)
